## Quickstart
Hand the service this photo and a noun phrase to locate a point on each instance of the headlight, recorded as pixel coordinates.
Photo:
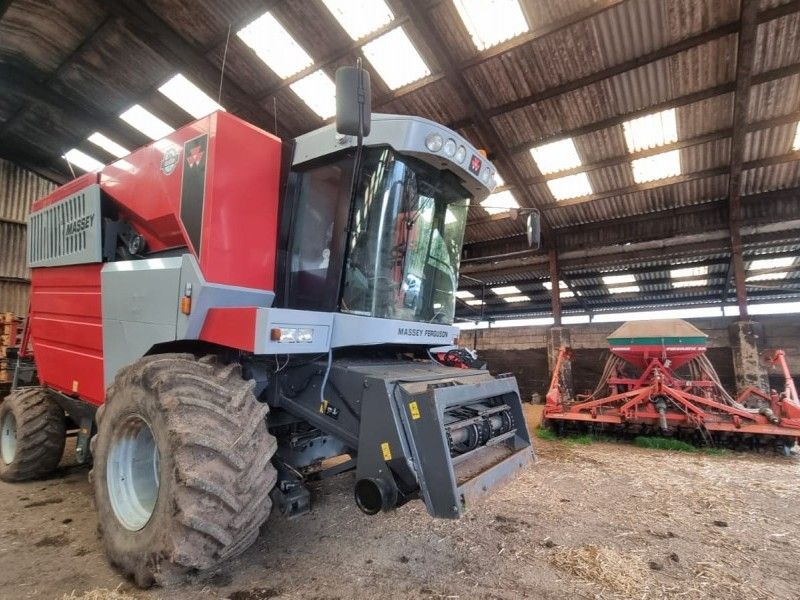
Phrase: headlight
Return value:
(434, 142)
(292, 335)
(450, 147)
(461, 154)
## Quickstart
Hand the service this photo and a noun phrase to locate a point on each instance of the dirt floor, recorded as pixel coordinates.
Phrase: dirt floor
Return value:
(598, 521)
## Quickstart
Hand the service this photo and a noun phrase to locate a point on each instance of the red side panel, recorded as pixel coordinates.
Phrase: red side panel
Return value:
(233, 327)
(212, 186)
(66, 329)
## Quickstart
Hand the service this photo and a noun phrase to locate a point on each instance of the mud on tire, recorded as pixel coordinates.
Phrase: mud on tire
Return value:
(213, 473)
(32, 434)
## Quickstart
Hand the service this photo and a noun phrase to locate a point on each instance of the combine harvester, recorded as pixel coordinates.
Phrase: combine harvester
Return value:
(221, 311)
(658, 381)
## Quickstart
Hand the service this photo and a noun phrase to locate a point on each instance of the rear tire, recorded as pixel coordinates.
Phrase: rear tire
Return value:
(182, 467)
(32, 434)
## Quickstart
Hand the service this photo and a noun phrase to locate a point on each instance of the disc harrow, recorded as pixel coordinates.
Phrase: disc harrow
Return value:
(658, 381)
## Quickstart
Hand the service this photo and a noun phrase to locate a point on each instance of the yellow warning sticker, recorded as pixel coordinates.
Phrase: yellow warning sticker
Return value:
(75, 386)
(387, 451)
(323, 406)
(414, 410)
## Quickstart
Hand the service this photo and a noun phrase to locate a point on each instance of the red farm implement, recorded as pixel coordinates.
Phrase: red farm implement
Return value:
(658, 380)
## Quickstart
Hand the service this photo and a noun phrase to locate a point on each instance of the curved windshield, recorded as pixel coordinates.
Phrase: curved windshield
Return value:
(405, 240)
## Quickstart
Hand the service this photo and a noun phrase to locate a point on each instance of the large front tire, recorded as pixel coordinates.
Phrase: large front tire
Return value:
(32, 434)
(182, 469)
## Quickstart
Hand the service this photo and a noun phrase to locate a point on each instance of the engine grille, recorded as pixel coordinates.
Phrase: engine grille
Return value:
(68, 232)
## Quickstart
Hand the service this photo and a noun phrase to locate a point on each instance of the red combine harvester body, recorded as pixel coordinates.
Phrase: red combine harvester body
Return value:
(658, 380)
(225, 191)
(219, 312)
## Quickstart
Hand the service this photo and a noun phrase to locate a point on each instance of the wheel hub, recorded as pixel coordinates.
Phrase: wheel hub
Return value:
(132, 472)
(8, 438)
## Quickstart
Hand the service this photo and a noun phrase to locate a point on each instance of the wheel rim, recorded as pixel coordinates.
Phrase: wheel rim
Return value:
(132, 473)
(8, 438)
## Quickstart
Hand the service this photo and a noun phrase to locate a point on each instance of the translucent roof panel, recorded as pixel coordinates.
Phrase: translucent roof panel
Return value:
(275, 46)
(556, 156)
(490, 22)
(396, 59)
(651, 131)
(189, 97)
(659, 166)
(359, 18)
(571, 186)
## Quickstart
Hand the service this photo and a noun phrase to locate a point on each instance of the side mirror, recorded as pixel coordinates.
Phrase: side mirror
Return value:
(353, 101)
(533, 227)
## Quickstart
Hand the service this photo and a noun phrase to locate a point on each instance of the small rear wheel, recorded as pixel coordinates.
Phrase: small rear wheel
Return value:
(32, 434)
(182, 467)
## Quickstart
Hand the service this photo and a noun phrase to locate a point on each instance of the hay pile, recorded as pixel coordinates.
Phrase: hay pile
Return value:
(613, 571)
(102, 594)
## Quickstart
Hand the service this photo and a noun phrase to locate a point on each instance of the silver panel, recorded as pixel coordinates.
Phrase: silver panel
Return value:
(335, 330)
(68, 232)
(140, 301)
(406, 135)
(207, 295)
(353, 330)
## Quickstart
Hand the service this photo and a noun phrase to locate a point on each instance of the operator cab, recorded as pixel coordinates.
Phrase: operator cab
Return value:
(387, 245)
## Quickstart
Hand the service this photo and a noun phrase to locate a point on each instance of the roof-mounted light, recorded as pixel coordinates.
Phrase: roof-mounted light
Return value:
(434, 142)
(450, 147)
(461, 154)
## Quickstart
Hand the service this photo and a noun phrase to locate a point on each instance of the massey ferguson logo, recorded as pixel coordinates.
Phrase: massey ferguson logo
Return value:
(194, 157)
(78, 225)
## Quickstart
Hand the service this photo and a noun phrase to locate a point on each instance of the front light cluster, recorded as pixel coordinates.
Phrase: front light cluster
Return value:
(436, 143)
(292, 335)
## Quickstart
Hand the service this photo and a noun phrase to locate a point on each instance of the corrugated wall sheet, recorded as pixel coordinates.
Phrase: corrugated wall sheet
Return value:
(18, 189)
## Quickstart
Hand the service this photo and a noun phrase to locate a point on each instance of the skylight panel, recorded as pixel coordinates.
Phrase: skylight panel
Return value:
(548, 285)
(318, 92)
(690, 283)
(651, 131)
(189, 97)
(516, 298)
(688, 272)
(615, 279)
(796, 144)
(768, 276)
(628, 289)
(499, 202)
(490, 22)
(142, 119)
(275, 46)
(567, 294)
(475, 302)
(660, 166)
(509, 289)
(83, 160)
(359, 18)
(771, 263)
(396, 59)
(463, 294)
(571, 186)
(499, 180)
(109, 145)
(556, 156)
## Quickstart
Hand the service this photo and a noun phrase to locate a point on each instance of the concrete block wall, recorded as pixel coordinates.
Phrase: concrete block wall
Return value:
(522, 350)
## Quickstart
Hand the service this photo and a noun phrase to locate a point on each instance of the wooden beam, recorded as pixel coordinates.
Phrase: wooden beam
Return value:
(555, 288)
(745, 57)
